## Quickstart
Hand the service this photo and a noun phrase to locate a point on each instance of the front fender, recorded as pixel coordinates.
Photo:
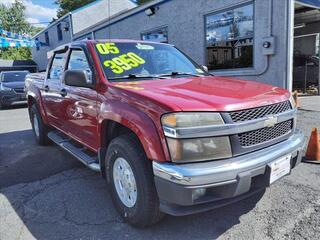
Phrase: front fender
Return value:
(138, 122)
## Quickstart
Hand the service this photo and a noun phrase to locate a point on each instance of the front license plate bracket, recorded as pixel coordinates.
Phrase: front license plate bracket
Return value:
(280, 168)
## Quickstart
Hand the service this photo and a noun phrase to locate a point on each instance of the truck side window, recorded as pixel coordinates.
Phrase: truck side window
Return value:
(57, 66)
(78, 61)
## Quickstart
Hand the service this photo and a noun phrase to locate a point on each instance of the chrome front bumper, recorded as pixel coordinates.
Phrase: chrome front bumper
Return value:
(225, 179)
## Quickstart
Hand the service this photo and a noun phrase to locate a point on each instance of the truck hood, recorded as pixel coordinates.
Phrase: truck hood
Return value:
(206, 93)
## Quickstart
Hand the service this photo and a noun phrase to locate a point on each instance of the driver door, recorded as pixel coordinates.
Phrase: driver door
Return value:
(80, 103)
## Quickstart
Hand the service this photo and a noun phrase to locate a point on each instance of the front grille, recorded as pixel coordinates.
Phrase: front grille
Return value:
(265, 134)
(19, 90)
(260, 112)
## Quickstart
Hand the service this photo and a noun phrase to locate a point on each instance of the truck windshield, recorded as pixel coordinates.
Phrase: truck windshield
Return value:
(143, 61)
(14, 76)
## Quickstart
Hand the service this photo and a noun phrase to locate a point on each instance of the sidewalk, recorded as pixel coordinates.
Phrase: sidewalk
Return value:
(310, 103)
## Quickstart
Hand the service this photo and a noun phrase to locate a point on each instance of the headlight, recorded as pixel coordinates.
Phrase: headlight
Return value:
(195, 149)
(293, 102)
(294, 106)
(199, 149)
(182, 120)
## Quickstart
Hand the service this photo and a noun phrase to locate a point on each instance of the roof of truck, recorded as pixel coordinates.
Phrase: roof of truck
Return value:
(121, 40)
(81, 42)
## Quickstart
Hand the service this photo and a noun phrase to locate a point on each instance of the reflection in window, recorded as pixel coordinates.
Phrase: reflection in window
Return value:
(229, 38)
(160, 35)
(57, 66)
(78, 61)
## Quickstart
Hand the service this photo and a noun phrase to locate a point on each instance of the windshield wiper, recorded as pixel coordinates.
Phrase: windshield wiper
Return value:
(179, 73)
(133, 76)
(162, 76)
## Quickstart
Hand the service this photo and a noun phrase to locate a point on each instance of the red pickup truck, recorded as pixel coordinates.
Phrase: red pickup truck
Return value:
(167, 136)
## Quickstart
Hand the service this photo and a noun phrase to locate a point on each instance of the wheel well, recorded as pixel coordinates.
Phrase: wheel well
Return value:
(31, 101)
(110, 130)
(115, 129)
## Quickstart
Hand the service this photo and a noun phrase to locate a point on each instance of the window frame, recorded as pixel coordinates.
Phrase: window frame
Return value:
(50, 66)
(155, 30)
(59, 32)
(37, 43)
(230, 71)
(89, 60)
(46, 38)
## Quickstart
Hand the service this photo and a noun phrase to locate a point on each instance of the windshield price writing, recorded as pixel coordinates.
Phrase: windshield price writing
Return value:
(120, 63)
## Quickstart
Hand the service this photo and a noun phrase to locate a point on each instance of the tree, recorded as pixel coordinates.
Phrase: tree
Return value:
(13, 19)
(21, 53)
(66, 6)
(35, 30)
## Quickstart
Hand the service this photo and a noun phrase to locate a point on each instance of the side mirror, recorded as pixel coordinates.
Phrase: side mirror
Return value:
(205, 68)
(77, 78)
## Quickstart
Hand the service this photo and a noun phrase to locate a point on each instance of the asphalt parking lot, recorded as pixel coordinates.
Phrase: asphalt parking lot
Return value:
(46, 194)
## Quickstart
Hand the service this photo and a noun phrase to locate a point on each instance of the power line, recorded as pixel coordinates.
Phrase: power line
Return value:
(17, 24)
(40, 23)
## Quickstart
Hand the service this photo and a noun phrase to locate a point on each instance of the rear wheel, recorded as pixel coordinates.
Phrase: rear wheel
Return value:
(40, 130)
(130, 180)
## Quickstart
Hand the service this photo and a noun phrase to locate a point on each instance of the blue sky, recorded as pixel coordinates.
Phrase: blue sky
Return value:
(45, 3)
(38, 12)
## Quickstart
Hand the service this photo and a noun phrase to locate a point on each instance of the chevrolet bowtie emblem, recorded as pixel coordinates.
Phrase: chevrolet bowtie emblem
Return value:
(271, 121)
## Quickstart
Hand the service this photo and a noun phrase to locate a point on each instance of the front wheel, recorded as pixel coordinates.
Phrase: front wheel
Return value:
(2, 106)
(130, 180)
(40, 130)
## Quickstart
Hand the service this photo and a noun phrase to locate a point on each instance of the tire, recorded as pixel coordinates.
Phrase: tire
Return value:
(40, 130)
(3, 106)
(144, 211)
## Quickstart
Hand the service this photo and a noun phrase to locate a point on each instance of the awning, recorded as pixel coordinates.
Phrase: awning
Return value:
(310, 3)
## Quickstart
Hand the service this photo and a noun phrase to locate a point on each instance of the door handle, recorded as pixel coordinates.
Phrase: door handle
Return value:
(63, 92)
(46, 88)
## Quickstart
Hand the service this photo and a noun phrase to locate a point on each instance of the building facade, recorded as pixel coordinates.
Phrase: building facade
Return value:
(249, 39)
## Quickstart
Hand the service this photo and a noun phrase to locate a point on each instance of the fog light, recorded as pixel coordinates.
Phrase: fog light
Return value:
(198, 193)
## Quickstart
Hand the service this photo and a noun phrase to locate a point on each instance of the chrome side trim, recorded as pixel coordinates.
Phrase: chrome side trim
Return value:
(226, 129)
(228, 169)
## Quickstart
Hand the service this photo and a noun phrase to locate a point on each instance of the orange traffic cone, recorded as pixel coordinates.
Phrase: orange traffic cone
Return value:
(295, 97)
(313, 150)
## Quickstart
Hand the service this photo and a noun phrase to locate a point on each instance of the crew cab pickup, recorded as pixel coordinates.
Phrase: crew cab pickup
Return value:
(167, 136)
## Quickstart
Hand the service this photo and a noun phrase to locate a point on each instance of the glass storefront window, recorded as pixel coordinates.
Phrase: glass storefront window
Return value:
(160, 35)
(229, 38)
